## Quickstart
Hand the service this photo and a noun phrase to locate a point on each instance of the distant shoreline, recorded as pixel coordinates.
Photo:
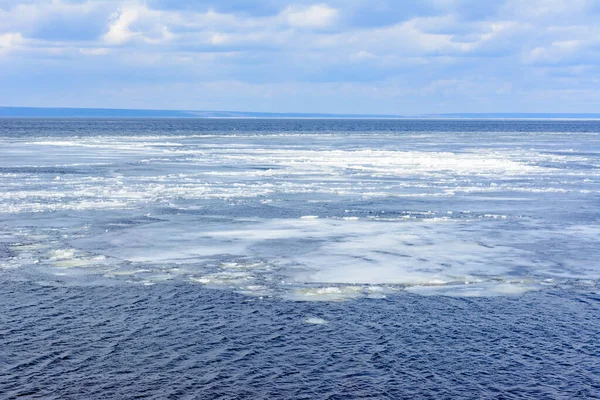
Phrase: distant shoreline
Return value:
(57, 112)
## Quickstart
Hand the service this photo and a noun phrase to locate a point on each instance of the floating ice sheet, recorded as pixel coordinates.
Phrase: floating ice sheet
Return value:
(311, 217)
(486, 289)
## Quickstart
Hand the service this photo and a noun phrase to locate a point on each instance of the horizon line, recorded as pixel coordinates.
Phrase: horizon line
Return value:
(104, 112)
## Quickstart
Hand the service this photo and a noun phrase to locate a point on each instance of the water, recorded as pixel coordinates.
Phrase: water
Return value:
(299, 258)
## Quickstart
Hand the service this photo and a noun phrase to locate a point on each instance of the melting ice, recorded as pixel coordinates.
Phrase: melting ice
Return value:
(304, 216)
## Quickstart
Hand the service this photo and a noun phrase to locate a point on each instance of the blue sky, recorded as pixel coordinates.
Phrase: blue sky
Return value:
(337, 56)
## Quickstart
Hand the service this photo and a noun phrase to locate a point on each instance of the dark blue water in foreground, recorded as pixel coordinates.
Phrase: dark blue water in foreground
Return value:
(181, 341)
(299, 259)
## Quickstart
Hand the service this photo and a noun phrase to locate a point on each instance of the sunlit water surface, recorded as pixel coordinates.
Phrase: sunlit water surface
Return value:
(299, 258)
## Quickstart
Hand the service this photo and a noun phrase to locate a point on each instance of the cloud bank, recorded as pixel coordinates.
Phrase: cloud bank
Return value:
(341, 56)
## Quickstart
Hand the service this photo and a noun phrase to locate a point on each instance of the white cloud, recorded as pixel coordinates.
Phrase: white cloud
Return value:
(210, 20)
(161, 35)
(315, 16)
(404, 39)
(546, 8)
(31, 16)
(8, 41)
(118, 31)
(219, 38)
(100, 51)
(364, 55)
(556, 52)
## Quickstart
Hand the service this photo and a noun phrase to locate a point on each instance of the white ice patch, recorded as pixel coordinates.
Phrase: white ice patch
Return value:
(61, 254)
(72, 258)
(488, 289)
(228, 279)
(315, 321)
(338, 258)
(29, 247)
(329, 293)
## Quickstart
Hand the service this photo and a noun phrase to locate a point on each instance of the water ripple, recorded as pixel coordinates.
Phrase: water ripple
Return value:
(172, 341)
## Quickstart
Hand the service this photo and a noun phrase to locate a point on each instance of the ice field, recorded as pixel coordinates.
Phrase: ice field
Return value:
(288, 213)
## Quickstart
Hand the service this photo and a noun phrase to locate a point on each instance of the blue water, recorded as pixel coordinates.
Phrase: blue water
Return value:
(167, 258)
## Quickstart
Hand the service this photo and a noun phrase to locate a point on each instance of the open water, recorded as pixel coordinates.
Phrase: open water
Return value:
(200, 258)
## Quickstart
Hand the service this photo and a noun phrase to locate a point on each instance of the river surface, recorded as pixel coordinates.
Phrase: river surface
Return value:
(223, 258)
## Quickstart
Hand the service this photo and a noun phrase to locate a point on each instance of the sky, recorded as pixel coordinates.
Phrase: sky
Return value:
(331, 56)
